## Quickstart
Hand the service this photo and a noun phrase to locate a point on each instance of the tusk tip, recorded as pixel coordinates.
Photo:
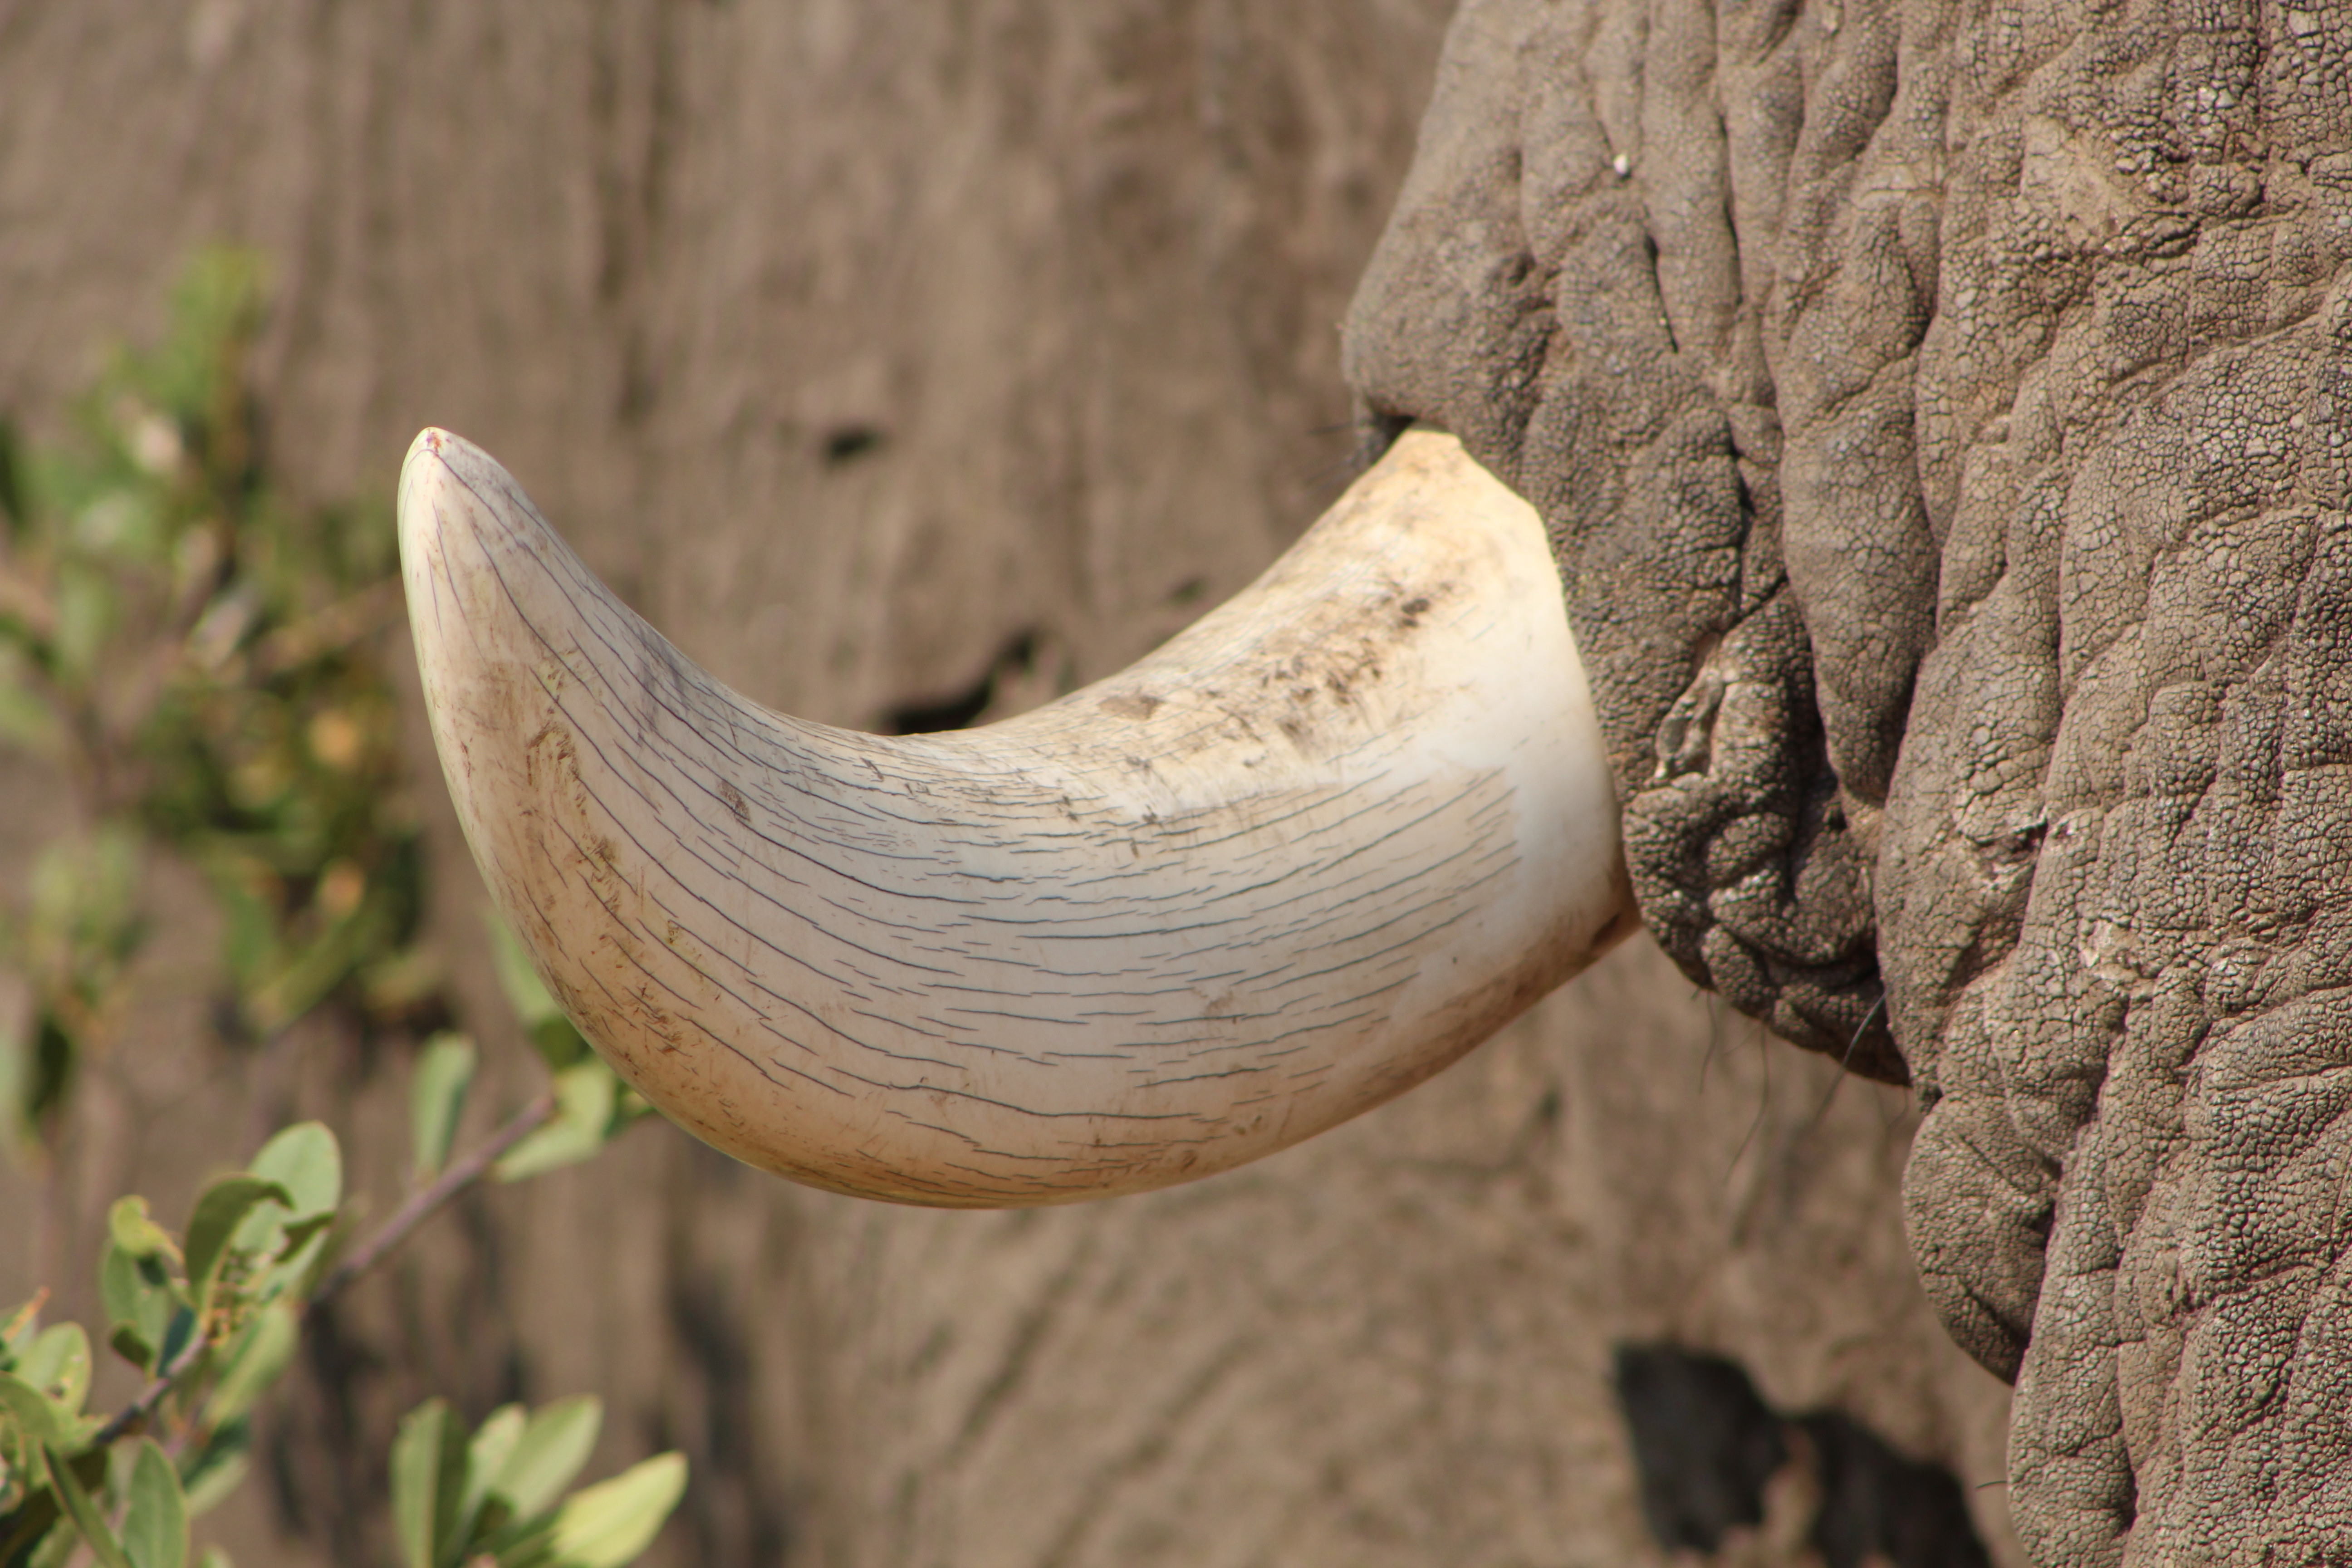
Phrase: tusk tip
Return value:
(451, 489)
(424, 473)
(431, 451)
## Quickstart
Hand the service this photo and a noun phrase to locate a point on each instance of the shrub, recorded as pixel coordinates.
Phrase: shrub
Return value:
(202, 664)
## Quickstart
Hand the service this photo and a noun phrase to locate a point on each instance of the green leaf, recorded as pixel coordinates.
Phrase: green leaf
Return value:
(551, 1033)
(312, 1245)
(248, 928)
(133, 1347)
(135, 1232)
(119, 529)
(436, 1097)
(26, 1538)
(75, 1495)
(559, 1043)
(583, 1122)
(611, 1523)
(17, 1331)
(218, 1468)
(49, 1071)
(57, 1362)
(118, 1285)
(25, 1530)
(17, 1075)
(30, 1412)
(298, 1233)
(256, 1359)
(86, 607)
(554, 1444)
(308, 1163)
(398, 983)
(304, 1254)
(155, 1525)
(525, 993)
(220, 1209)
(27, 724)
(176, 1335)
(140, 1304)
(303, 982)
(494, 1444)
(629, 1109)
(86, 891)
(428, 1479)
(214, 1557)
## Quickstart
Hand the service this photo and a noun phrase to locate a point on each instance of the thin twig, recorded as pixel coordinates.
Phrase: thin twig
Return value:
(426, 1199)
(140, 1408)
(420, 1207)
(340, 624)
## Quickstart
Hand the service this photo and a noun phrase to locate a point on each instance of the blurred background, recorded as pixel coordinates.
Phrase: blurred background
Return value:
(909, 362)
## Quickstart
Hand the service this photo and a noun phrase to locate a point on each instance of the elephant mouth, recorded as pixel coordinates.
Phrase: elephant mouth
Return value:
(1302, 857)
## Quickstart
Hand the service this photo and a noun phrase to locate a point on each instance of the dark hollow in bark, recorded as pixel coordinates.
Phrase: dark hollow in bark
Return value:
(1705, 1446)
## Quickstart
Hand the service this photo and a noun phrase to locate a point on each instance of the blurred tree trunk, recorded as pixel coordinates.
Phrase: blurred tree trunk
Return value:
(898, 355)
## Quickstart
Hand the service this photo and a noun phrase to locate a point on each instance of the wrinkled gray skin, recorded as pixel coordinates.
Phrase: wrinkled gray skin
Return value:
(1941, 415)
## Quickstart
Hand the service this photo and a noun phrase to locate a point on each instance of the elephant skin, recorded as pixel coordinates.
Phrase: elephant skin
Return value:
(1939, 414)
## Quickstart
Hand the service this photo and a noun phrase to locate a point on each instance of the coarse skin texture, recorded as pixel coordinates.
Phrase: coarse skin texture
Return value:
(1937, 410)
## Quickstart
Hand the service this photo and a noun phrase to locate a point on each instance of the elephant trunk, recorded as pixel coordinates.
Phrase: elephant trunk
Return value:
(1298, 859)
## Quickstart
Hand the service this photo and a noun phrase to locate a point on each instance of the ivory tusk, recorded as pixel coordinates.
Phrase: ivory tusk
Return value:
(1304, 856)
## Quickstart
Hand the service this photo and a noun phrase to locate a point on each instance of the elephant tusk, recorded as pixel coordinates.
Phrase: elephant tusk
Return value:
(1307, 853)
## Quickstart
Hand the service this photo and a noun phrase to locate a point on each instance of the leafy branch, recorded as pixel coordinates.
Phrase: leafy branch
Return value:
(200, 663)
(429, 1200)
(212, 1315)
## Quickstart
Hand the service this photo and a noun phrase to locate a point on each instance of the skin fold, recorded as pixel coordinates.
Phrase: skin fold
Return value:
(1938, 413)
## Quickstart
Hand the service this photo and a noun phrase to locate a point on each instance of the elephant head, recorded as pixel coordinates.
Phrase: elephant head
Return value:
(1935, 418)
